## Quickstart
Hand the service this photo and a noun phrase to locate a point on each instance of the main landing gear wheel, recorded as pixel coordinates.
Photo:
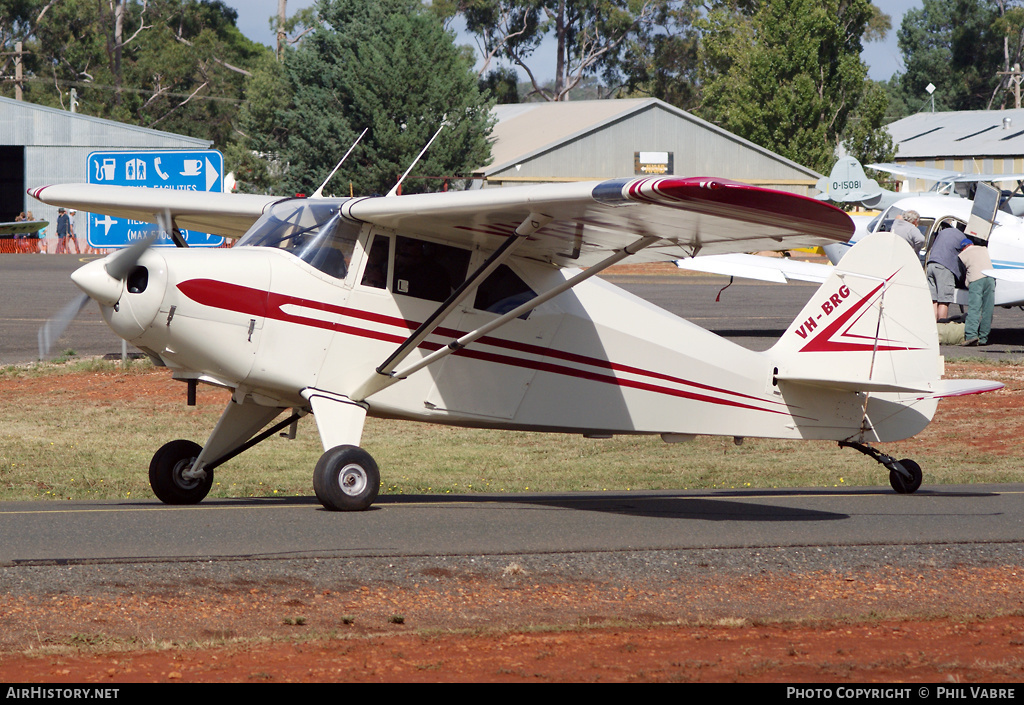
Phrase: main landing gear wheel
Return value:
(903, 484)
(166, 474)
(346, 479)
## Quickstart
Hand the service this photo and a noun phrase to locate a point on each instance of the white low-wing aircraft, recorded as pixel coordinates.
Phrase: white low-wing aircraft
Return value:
(1003, 232)
(22, 227)
(847, 183)
(480, 308)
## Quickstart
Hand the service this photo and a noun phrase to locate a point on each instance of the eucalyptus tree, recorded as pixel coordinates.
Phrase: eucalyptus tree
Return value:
(785, 74)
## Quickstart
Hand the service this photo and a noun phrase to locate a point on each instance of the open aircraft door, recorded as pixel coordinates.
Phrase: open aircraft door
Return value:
(983, 212)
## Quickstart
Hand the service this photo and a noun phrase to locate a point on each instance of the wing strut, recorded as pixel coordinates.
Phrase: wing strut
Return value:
(528, 227)
(385, 379)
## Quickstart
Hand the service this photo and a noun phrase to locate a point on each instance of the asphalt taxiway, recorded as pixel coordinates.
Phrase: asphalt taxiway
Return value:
(71, 532)
(32, 287)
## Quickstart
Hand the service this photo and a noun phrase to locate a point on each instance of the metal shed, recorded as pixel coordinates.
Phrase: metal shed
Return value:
(41, 145)
(971, 141)
(599, 139)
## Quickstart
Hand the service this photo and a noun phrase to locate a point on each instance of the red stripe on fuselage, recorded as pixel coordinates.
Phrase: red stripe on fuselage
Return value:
(256, 302)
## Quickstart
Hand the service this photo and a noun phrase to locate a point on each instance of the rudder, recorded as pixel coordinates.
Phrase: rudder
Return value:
(869, 329)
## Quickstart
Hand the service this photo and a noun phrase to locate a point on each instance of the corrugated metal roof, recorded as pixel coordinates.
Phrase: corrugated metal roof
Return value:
(24, 123)
(525, 130)
(967, 133)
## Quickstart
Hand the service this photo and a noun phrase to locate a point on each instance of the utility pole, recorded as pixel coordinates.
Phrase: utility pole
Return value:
(17, 71)
(282, 37)
(1015, 79)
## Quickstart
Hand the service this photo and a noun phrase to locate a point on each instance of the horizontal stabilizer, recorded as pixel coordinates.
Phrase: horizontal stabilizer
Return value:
(963, 387)
(856, 385)
(935, 389)
(778, 270)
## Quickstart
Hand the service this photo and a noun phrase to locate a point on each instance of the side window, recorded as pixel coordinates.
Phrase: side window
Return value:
(427, 270)
(376, 272)
(502, 291)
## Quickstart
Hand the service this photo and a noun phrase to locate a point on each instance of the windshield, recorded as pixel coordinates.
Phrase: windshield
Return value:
(313, 231)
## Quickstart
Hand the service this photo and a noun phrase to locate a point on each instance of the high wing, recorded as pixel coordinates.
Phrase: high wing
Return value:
(943, 175)
(581, 222)
(224, 214)
(22, 227)
(574, 223)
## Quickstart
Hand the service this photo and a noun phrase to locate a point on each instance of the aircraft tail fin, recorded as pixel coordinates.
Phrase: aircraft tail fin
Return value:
(849, 184)
(868, 330)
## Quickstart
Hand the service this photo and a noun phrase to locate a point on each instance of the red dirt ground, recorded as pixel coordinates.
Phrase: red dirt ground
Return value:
(960, 625)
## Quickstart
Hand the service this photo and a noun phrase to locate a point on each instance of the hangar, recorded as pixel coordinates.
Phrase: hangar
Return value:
(971, 141)
(600, 139)
(41, 145)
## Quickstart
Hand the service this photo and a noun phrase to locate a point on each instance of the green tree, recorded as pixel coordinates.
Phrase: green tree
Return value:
(259, 133)
(865, 137)
(664, 63)
(175, 65)
(388, 66)
(590, 37)
(960, 47)
(785, 74)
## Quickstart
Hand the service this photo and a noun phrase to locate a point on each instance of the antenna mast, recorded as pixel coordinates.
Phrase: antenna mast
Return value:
(320, 191)
(394, 189)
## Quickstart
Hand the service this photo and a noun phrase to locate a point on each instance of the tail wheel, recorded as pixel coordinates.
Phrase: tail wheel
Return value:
(346, 479)
(903, 484)
(167, 474)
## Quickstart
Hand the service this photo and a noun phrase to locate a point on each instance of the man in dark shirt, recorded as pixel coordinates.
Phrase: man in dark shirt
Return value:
(944, 270)
(63, 230)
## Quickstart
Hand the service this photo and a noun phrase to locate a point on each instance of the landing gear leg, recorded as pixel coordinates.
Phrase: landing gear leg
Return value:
(181, 472)
(905, 475)
(346, 478)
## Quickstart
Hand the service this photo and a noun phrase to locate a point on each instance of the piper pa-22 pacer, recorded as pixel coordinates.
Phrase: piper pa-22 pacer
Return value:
(481, 308)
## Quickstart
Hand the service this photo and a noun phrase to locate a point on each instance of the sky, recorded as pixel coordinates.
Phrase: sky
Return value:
(882, 58)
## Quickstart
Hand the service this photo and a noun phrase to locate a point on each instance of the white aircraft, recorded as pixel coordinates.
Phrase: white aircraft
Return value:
(22, 227)
(480, 308)
(980, 218)
(849, 184)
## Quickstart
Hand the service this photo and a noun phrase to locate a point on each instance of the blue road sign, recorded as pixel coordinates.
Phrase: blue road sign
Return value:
(194, 170)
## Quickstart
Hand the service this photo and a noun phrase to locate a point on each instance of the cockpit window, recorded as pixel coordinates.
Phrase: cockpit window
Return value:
(503, 291)
(314, 232)
(428, 270)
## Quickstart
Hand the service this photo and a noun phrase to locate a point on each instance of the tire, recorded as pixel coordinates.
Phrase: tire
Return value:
(904, 485)
(346, 479)
(165, 474)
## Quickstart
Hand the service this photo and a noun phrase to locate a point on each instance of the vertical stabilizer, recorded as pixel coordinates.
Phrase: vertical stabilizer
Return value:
(869, 330)
(849, 184)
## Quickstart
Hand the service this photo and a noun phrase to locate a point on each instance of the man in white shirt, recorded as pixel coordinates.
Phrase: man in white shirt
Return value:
(905, 226)
(981, 292)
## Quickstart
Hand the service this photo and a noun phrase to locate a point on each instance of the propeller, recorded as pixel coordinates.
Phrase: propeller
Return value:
(101, 280)
(51, 331)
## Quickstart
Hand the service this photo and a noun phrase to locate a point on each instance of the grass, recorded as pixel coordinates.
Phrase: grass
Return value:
(61, 442)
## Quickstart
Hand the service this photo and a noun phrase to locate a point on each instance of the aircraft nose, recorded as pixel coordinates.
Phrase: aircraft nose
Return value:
(96, 282)
(144, 284)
